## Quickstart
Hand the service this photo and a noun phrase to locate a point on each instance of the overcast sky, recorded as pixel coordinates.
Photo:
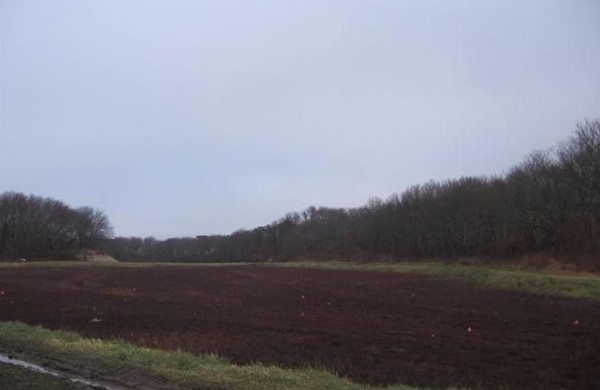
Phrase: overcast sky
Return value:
(180, 118)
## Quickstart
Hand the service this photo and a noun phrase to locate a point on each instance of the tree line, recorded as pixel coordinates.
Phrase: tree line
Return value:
(549, 203)
(44, 228)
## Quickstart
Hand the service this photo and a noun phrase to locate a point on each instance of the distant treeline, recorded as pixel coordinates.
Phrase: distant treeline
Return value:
(43, 228)
(550, 203)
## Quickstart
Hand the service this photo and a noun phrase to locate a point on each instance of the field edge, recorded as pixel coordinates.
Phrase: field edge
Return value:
(512, 278)
(176, 367)
(580, 286)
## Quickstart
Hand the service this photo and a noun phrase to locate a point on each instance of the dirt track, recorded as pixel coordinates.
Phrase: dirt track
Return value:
(373, 327)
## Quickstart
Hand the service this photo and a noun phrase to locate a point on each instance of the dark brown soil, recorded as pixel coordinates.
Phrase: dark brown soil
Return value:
(372, 327)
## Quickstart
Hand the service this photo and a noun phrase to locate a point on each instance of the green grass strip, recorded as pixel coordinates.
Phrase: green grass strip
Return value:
(181, 368)
(585, 286)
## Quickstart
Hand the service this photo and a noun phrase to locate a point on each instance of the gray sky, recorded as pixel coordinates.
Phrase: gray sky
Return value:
(195, 117)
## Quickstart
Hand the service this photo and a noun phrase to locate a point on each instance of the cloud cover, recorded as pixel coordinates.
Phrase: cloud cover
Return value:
(198, 117)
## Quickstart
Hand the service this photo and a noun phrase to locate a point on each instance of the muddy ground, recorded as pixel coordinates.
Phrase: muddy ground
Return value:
(15, 378)
(373, 327)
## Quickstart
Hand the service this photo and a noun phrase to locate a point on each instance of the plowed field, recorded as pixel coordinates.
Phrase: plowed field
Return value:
(373, 327)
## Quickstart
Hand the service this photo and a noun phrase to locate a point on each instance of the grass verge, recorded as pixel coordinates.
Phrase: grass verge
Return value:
(177, 367)
(585, 286)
